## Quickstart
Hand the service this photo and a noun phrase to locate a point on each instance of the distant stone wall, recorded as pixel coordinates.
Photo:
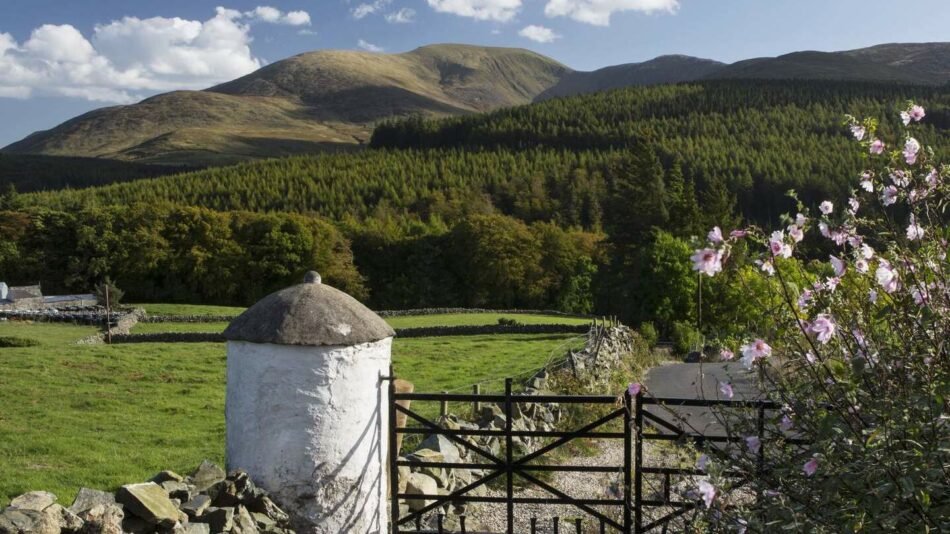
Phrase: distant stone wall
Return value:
(195, 318)
(121, 326)
(84, 315)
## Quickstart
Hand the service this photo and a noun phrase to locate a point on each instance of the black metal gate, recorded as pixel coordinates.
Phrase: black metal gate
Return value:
(631, 411)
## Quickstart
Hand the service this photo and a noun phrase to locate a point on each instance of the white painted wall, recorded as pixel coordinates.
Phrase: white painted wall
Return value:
(309, 424)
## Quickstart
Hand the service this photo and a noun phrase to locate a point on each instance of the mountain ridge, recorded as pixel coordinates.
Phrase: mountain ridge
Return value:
(332, 99)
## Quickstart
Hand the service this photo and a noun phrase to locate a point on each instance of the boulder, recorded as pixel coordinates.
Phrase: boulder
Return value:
(196, 506)
(206, 475)
(177, 490)
(403, 474)
(265, 506)
(421, 484)
(14, 520)
(149, 502)
(195, 528)
(67, 521)
(442, 445)
(103, 519)
(87, 498)
(218, 519)
(243, 522)
(136, 525)
(36, 501)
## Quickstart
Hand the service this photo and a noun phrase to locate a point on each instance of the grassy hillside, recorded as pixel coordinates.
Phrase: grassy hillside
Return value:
(308, 103)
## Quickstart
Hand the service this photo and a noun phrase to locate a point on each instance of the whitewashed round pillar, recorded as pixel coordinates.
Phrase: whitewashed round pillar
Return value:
(306, 409)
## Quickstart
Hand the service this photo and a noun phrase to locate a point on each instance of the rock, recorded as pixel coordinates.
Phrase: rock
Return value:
(103, 519)
(196, 506)
(224, 494)
(196, 528)
(421, 484)
(167, 476)
(150, 502)
(136, 525)
(443, 445)
(14, 520)
(177, 490)
(263, 522)
(68, 521)
(206, 475)
(265, 506)
(87, 498)
(243, 522)
(403, 474)
(36, 501)
(219, 519)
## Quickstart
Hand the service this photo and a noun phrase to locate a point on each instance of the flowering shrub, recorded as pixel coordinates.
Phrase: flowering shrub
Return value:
(857, 355)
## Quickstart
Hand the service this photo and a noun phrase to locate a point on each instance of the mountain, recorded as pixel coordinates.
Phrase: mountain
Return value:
(913, 63)
(663, 69)
(331, 99)
(315, 101)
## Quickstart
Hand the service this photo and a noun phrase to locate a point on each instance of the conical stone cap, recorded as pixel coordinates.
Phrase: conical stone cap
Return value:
(308, 314)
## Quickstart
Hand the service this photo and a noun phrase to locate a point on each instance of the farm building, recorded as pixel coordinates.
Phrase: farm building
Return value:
(31, 298)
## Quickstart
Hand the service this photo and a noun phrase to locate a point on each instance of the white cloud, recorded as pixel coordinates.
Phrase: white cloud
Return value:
(369, 47)
(370, 8)
(126, 59)
(598, 12)
(275, 16)
(538, 33)
(402, 16)
(499, 10)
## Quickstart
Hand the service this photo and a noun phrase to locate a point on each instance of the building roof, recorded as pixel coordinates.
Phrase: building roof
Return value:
(309, 314)
(24, 292)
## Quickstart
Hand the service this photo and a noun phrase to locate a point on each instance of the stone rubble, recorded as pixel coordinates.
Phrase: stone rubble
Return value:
(209, 501)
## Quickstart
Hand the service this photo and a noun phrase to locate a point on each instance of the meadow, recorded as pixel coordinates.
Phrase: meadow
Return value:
(100, 416)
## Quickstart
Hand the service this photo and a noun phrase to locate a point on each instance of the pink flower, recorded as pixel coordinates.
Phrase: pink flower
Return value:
(800, 220)
(861, 265)
(917, 113)
(911, 148)
(838, 265)
(900, 178)
(823, 327)
(866, 183)
(708, 261)
(932, 178)
(778, 246)
(755, 351)
(854, 204)
(804, 300)
(738, 233)
(889, 195)
(877, 147)
(753, 443)
(914, 230)
(823, 229)
(867, 251)
(826, 207)
(796, 233)
(831, 283)
(905, 117)
(767, 268)
(726, 354)
(634, 389)
(787, 423)
(707, 491)
(715, 235)
(726, 389)
(810, 467)
(810, 357)
(872, 296)
(887, 277)
(858, 132)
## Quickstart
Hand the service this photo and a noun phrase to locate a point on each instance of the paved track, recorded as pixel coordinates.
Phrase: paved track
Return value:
(697, 381)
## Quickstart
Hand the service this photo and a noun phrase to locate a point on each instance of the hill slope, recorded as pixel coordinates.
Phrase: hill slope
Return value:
(309, 102)
(331, 99)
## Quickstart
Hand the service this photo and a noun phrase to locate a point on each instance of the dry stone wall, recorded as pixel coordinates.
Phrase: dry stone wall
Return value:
(206, 502)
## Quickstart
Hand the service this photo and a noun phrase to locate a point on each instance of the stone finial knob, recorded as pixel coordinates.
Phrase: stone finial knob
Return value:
(312, 277)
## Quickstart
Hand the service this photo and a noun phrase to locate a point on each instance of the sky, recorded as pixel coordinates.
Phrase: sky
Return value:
(61, 58)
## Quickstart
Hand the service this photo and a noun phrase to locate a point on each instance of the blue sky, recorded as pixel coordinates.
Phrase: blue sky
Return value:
(60, 58)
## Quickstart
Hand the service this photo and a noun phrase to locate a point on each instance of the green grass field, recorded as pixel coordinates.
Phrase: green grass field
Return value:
(101, 416)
